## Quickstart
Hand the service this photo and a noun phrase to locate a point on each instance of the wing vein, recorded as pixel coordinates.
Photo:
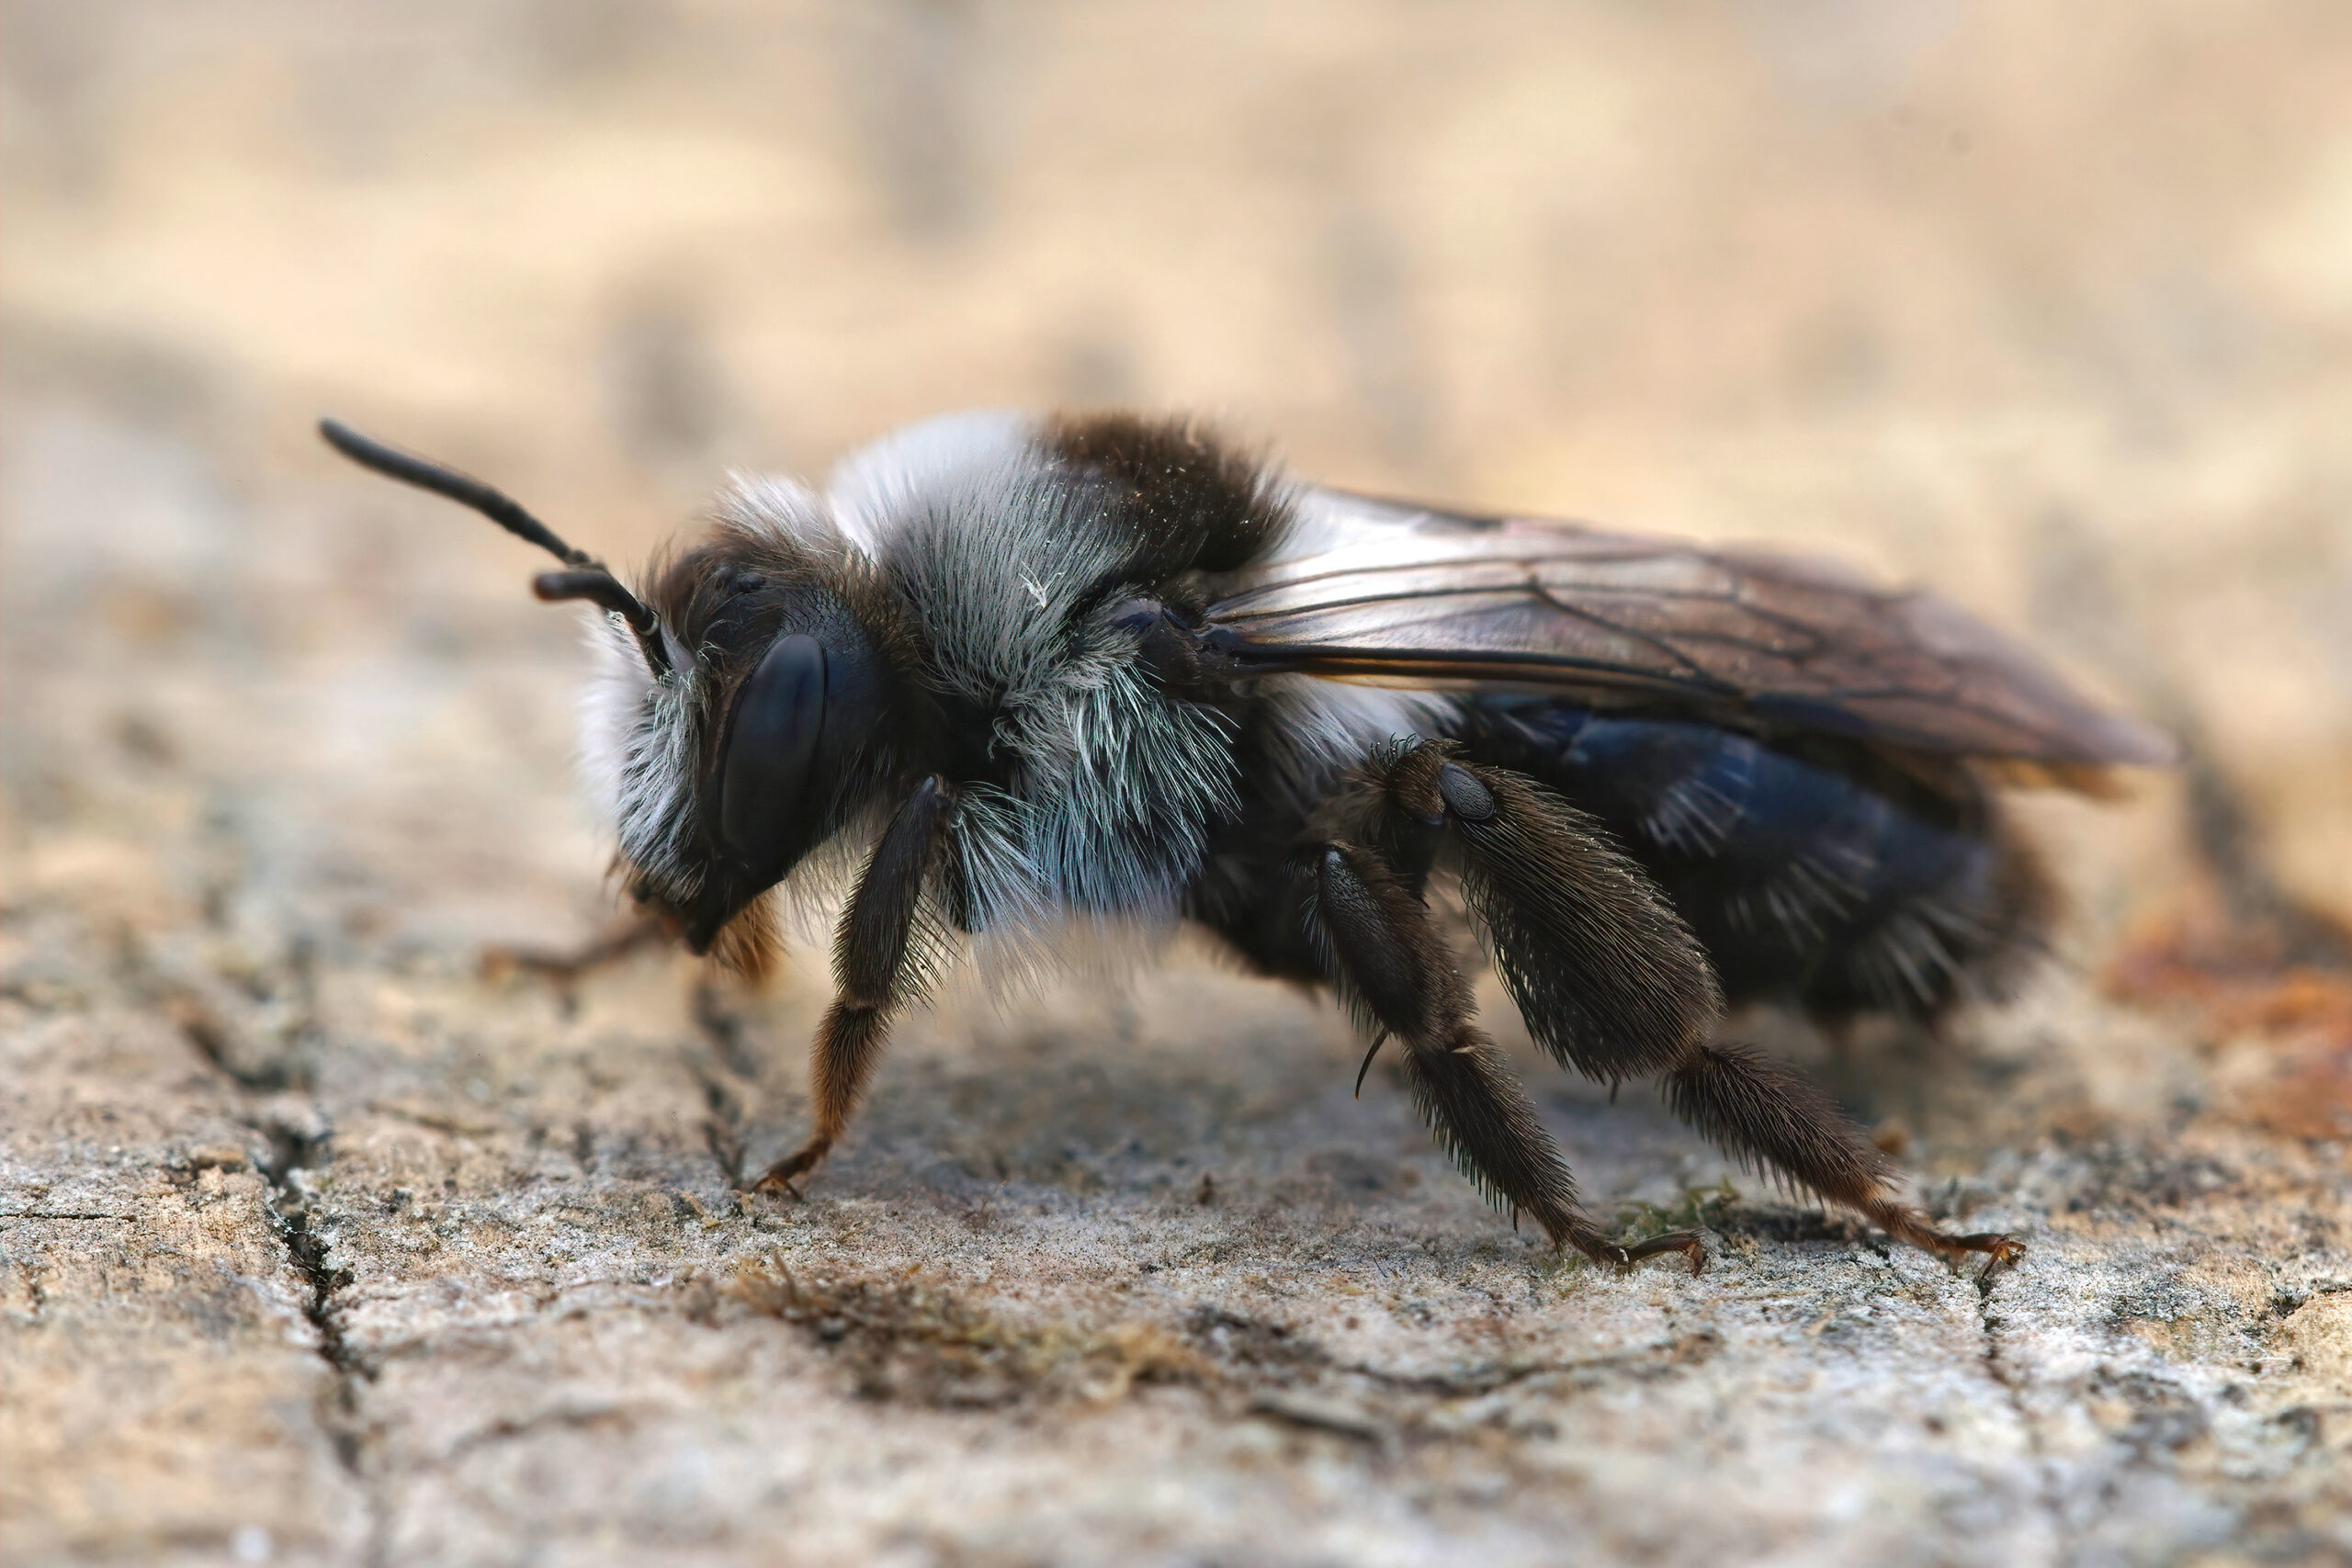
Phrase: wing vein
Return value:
(1773, 643)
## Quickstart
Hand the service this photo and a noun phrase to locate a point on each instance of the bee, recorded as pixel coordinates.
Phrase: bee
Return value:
(1016, 673)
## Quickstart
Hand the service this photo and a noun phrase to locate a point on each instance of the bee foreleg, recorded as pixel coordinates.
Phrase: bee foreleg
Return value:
(1392, 968)
(882, 959)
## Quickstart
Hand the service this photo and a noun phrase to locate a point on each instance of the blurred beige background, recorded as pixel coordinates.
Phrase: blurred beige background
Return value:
(2047, 305)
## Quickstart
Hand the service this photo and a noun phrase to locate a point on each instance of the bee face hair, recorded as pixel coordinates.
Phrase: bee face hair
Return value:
(1009, 673)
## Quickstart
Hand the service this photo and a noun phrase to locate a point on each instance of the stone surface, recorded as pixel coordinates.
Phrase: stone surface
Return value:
(322, 1240)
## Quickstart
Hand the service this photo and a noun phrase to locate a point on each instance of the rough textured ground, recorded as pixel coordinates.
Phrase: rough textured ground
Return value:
(323, 1241)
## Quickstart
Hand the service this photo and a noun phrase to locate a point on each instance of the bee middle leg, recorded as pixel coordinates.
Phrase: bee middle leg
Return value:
(1392, 967)
(565, 968)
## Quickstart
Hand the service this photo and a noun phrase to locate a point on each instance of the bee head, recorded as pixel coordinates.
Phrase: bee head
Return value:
(754, 696)
(785, 702)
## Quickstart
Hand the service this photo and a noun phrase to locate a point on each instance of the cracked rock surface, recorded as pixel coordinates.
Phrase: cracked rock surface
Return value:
(330, 1235)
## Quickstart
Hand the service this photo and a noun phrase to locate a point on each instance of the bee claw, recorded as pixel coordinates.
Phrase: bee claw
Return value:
(1377, 1042)
(1624, 1257)
(2003, 1255)
(778, 1176)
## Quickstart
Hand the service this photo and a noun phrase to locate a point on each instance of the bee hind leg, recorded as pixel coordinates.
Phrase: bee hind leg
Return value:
(1609, 979)
(1392, 968)
(1611, 983)
(1767, 1113)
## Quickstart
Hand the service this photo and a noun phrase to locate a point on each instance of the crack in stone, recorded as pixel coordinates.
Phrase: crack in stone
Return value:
(293, 1152)
(723, 1030)
(722, 1129)
(1989, 1324)
(272, 1065)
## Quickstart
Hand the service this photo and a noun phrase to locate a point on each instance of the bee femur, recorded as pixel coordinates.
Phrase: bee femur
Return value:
(590, 579)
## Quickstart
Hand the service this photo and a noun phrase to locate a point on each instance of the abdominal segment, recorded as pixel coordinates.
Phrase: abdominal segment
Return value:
(1817, 874)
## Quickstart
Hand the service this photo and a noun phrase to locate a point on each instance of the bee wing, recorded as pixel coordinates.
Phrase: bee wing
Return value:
(1391, 594)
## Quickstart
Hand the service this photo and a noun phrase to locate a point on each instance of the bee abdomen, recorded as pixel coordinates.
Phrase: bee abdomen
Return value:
(1825, 880)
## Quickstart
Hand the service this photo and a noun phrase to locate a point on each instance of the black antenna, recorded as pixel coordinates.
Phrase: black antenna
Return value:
(590, 579)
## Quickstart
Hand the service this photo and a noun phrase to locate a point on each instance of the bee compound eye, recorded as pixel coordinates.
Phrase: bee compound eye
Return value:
(771, 747)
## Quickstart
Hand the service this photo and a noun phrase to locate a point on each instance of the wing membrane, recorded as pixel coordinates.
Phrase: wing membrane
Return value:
(1397, 595)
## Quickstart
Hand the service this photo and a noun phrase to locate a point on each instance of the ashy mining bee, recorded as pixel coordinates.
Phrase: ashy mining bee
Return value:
(1106, 669)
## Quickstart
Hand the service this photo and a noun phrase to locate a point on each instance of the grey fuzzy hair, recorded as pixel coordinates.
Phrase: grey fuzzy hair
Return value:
(1112, 783)
(637, 755)
(637, 732)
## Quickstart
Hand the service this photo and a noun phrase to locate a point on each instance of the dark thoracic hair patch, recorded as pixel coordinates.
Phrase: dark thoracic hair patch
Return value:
(1195, 504)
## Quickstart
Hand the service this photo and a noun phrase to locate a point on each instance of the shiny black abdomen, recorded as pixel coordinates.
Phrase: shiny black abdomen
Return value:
(1817, 874)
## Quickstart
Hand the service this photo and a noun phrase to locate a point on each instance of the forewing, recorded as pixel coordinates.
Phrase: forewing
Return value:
(1377, 592)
